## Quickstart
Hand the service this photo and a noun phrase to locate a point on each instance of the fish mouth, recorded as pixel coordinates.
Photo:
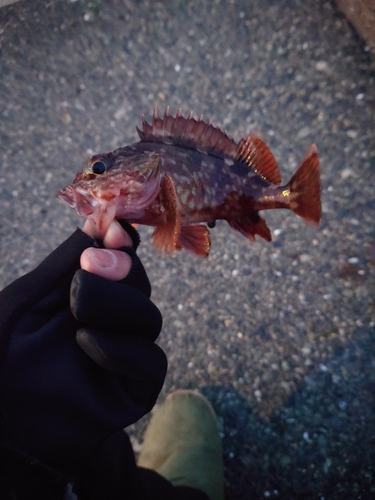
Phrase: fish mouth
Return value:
(77, 200)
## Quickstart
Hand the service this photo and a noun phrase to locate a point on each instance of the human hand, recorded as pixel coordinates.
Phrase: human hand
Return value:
(78, 352)
(110, 264)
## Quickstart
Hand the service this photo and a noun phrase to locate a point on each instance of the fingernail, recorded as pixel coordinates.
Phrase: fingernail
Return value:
(104, 258)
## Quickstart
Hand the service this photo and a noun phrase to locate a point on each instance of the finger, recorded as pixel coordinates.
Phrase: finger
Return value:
(116, 236)
(132, 232)
(113, 306)
(110, 264)
(120, 234)
(90, 229)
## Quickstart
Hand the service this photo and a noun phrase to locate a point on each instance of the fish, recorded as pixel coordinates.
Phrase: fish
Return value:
(183, 175)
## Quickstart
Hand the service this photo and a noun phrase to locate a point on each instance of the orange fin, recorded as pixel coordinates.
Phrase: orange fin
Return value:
(305, 189)
(166, 235)
(251, 225)
(187, 132)
(256, 154)
(196, 239)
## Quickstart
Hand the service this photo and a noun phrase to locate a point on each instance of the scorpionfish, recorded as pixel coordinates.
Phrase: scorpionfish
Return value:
(183, 175)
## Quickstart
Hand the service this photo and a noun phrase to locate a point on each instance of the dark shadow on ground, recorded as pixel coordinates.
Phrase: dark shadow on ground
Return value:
(305, 450)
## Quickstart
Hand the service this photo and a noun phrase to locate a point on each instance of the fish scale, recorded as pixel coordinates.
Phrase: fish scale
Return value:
(183, 175)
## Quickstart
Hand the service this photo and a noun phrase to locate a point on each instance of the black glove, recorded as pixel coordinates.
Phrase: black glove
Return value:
(77, 356)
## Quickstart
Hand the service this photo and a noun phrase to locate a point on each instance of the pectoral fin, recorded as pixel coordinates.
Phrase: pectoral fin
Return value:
(166, 235)
(251, 225)
(196, 239)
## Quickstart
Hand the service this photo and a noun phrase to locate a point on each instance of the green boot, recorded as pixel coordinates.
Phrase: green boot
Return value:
(182, 443)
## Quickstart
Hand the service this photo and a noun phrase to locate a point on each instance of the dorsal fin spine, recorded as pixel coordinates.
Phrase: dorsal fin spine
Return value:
(190, 132)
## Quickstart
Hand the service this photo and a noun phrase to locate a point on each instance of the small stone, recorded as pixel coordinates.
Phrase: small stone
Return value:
(285, 366)
(48, 177)
(303, 132)
(355, 222)
(120, 113)
(306, 350)
(327, 464)
(321, 66)
(305, 258)
(66, 118)
(347, 172)
(352, 134)
(353, 260)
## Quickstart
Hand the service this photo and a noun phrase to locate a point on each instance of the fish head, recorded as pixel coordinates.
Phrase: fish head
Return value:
(111, 186)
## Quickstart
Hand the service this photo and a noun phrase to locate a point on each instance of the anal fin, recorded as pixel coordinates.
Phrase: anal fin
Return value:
(250, 226)
(196, 239)
(166, 235)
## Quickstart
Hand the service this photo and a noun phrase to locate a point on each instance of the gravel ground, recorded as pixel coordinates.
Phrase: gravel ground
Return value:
(280, 337)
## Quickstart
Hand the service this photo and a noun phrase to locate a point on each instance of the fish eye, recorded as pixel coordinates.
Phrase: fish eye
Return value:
(98, 168)
(97, 165)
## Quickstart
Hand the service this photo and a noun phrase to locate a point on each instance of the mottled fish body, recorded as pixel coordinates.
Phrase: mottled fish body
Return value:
(184, 174)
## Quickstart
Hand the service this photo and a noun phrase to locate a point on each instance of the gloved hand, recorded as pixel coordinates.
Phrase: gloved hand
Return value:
(77, 357)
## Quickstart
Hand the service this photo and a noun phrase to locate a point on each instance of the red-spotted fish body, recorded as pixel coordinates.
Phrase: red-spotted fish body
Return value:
(184, 174)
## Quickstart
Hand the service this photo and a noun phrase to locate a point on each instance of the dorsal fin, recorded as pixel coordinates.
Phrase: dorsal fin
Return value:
(206, 138)
(188, 132)
(256, 154)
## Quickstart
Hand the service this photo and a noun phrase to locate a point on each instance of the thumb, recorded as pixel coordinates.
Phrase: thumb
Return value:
(110, 264)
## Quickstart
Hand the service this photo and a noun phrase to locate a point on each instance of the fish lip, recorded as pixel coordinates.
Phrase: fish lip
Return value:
(76, 200)
(68, 195)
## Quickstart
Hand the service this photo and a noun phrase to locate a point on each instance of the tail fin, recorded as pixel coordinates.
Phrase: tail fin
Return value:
(305, 189)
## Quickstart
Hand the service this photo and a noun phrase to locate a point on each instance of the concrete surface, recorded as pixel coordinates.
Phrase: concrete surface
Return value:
(280, 336)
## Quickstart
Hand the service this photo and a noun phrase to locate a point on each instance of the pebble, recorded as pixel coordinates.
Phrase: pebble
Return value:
(353, 260)
(346, 172)
(321, 66)
(304, 132)
(305, 258)
(353, 134)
